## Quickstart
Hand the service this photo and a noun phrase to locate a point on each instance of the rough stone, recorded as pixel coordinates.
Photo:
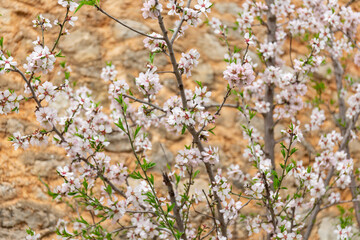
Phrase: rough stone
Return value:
(277, 130)
(45, 168)
(40, 194)
(83, 44)
(227, 118)
(14, 125)
(171, 135)
(205, 74)
(228, 7)
(30, 157)
(170, 84)
(118, 143)
(121, 32)
(5, 16)
(162, 156)
(43, 164)
(137, 59)
(7, 191)
(28, 213)
(210, 46)
(326, 228)
(13, 234)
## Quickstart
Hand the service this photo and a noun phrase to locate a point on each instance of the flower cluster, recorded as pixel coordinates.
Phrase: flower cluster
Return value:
(68, 4)
(175, 7)
(155, 45)
(6, 63)
(188, 157)
(273, 87)
(188, 61)
(9, 102)
(238, 74)
(203, 6)
(151, 9)
(108, 73)
(44, 23)
(40, 60)
(149, 83)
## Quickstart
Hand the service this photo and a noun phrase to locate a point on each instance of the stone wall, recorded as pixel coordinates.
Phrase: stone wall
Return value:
(94, 40)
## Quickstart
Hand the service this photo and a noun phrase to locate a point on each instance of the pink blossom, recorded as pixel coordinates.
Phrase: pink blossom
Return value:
(238, 74)
(151, 9)
(68, 4)
(203, 6)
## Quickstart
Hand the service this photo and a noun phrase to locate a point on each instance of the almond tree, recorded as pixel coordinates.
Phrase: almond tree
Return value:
(277, 90)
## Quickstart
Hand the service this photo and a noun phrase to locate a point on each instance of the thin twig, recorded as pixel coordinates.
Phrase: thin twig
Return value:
(180, 24)
(144, 102)
(124, 25)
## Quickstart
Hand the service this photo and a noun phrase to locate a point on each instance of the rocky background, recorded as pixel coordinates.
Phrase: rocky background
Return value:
(94, 40)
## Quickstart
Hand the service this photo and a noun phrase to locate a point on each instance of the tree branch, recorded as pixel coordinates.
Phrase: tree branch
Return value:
(124, 25)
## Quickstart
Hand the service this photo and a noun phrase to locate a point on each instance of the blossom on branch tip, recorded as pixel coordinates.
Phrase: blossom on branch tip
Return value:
(44, 23)
(151, 9)
(9, 102)
(40, 60)
(46, 91)
(203, 6)
(7, 63)
(210, 155)
(191, 16)
(175, 7)
(68, 4)
(72, 20)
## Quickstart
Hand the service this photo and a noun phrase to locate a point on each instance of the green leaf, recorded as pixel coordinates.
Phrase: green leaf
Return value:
(135, 175)
(283, 152)
(59, 54)
(199, 83)
(183, 130)
(151, 57)
(120, 125)
(67, 75)
(108, 189)
(177, 177)
(293, 151)
(137, 131)
(211, 130)
(151, 179)
(196, 173)
(169, 208)
(85, 2)
(289, 168)
(85, 184)
(276, 181)
(2, 43)
(30, 232)
(236, 49)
